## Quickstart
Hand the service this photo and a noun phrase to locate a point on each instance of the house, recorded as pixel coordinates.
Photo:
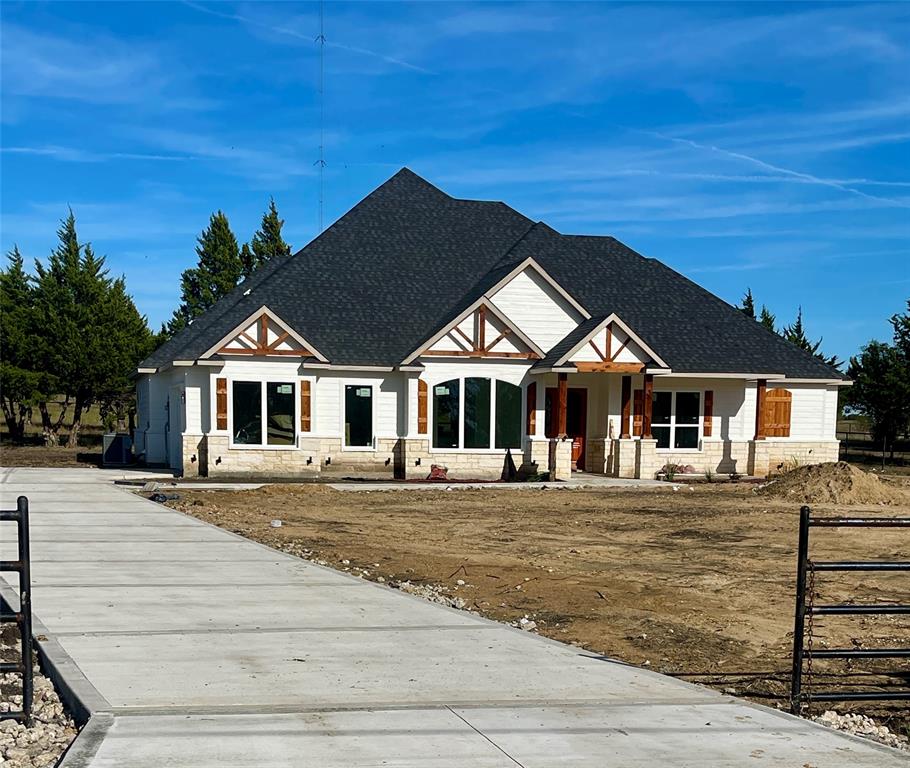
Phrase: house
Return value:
(422, 329)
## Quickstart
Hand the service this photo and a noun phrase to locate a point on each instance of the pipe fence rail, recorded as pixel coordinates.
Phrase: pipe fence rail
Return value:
(22, 617)
(806, 610)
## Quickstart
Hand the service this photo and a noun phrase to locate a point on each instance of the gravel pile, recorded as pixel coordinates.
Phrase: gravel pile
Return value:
(51, 731)
(860, 725)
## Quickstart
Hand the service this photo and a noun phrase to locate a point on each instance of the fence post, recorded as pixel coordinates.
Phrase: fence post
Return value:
(25, 606)
(802, 565)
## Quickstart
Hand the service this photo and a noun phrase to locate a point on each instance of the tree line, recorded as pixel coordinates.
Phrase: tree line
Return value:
(70, 330)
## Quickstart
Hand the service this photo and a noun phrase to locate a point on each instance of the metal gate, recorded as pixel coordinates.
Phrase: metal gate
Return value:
(805, 572)
(22, 617)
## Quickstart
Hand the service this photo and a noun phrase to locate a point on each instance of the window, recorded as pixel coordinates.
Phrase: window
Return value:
(279, 413)
(675, 419)
(476, 413)
(445, 414)
(263, 408)
(358, 416)
(508, 415)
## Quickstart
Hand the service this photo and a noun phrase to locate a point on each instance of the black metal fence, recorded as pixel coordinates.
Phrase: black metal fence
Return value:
(806, 610)
(22, 617)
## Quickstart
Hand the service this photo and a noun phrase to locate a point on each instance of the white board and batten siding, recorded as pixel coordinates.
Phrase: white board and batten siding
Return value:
(537, 308)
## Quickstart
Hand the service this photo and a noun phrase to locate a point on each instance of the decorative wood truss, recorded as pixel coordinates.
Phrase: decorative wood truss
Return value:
(612, 348)
(483, 332)
(264, 334)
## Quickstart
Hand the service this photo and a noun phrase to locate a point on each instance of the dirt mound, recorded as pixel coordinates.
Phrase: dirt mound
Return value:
(839, 483)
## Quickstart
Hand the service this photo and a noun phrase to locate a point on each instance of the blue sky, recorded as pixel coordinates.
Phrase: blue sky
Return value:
(752, 145)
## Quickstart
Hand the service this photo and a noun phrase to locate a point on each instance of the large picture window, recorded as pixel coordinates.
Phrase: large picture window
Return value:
(263, 409)
(476, 413)
(675, 419)
(358, 416)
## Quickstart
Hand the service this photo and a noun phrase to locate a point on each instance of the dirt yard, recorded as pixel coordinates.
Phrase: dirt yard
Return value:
(696, 582)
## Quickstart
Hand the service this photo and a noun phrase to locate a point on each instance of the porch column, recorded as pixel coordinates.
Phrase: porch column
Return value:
(647, 397)
(625, 428)
(562, 405)
(760, 392)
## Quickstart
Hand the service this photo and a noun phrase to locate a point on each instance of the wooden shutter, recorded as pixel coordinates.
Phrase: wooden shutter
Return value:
(221, 404)
(422, 396)
(305, 405)
(709, 412)
(776, 416)
(638, 400)
(531, 409)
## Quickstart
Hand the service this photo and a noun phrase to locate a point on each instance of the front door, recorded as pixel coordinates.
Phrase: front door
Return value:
(576, 420)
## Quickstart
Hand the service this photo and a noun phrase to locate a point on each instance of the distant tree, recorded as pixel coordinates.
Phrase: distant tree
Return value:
(748, 305)
(216, 274)
(880, 390)
(92, 335)
(267, 242)
(796, 334)
(767, 319)
(22, 386)
(901, 325)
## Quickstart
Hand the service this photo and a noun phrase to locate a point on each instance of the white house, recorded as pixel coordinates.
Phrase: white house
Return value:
(422, 329)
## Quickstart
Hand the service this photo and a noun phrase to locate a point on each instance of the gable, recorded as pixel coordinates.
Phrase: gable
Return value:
(538, 306)
(484, 332)
(607, 345)
(263, 334)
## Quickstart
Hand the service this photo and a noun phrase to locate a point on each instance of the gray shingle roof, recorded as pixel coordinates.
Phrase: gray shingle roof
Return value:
(408, 257)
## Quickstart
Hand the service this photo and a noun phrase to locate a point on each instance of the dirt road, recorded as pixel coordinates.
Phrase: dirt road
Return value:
(697, 582)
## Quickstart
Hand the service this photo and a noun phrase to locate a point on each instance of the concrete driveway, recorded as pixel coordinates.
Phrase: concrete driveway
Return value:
(194, 647)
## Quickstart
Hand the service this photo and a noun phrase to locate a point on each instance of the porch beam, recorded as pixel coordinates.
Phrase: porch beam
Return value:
(562, 401)
(647, 398)
(610, 367)
(761, 391)
(625, 428)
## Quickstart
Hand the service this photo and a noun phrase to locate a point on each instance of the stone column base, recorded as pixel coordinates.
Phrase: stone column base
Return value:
(195, 463)
(621, 462)
(560, 463)
(647, 462)
(412, 458)
(759, 458)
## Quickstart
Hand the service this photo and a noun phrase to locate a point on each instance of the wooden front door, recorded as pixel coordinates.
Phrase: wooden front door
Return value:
(576, 420)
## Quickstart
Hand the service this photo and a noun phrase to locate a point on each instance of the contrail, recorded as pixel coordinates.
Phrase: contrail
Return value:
(807, 177)
(308, 38)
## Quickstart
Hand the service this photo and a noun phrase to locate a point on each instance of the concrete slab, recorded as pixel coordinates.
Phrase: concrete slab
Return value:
(233, 607)
(398, 738)
(215, 651)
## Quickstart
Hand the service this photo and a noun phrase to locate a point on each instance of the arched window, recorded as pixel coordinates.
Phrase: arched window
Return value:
(477, 413)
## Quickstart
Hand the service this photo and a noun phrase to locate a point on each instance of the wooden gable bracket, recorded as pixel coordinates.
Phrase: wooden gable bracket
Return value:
(251, 337)
(478, 346)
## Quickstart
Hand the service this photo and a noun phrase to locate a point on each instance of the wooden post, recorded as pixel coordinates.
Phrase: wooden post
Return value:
(625, 428)
(760, 392)
(482, 327)
(647, 398)
(562, 405)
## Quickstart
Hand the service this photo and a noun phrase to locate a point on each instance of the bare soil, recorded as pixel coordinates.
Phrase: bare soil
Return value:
(697, 582)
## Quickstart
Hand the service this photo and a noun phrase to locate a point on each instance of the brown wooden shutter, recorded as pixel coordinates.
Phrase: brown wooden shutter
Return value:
(305, 405)
(709, 412)
(638, 400)
(422, 397)
(776, 416)
(221, 404)
(531, 409)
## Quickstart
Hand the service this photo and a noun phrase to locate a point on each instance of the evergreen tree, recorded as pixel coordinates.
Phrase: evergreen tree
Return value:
(21, 385)
(748, 305)
(216, 274)
(267, 242)
(901, 325)
(881, 390)
(767, 319)
(796, 334)
(91, 332)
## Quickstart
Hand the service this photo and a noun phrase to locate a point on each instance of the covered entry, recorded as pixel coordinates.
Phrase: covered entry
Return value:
(576, 419)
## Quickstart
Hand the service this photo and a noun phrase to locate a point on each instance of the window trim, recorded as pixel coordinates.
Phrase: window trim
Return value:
(263, 381)
(374, 410)
(672, 423)
(460, 378)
